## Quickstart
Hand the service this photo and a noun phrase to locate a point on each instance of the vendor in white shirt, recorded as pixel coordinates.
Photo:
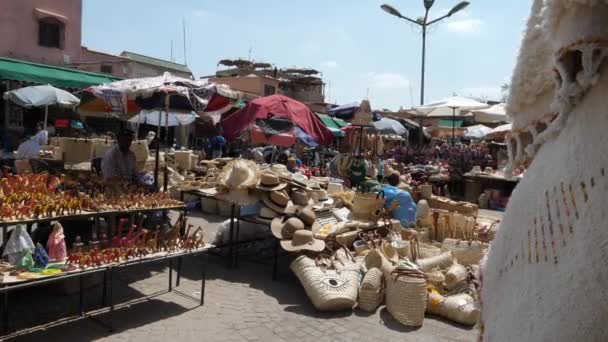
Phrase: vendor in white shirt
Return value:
(29, 148)
(118, 163)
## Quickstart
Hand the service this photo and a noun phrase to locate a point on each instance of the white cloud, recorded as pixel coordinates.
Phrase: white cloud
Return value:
(465, 26)
(386, 80)
(483, 92)
(329, 64)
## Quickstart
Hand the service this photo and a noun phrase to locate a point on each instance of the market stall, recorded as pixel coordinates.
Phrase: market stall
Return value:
(36, 199)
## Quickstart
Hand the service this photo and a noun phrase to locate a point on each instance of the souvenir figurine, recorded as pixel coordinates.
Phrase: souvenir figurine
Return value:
(56, 243)
(41, 259)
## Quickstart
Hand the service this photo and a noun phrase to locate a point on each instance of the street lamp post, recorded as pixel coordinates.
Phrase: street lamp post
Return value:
(424, 23)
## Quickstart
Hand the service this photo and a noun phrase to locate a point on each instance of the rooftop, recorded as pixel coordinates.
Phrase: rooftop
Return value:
(156, 62)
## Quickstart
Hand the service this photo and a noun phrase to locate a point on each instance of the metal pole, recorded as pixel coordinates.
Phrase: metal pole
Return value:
(46, 115)
(157, 153)
(423, 64)
(166, 170)
(453, 126)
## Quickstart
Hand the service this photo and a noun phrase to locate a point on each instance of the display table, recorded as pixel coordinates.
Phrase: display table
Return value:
(476, 184)
(107, 292)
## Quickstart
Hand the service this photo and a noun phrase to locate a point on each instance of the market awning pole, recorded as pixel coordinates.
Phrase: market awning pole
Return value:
(166, 171)
(453, 125)
(46, 115)
(157, 161)
(7, 108)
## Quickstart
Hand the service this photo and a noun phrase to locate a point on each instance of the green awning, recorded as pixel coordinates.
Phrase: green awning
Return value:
(16, 70)
(448, 123)
(333, 124)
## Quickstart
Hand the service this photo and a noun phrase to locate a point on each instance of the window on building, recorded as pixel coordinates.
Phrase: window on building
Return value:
(50, 33)
(106, 69)
(269, 90)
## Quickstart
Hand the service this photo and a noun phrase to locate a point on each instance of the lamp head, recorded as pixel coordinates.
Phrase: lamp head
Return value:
(459, 7)
(428, 4)
(391, 10)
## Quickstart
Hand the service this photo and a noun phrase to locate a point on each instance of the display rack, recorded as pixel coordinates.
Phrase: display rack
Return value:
(107, 270)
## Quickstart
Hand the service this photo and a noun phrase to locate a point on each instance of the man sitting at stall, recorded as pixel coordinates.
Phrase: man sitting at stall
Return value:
(118, 163)
(406, 213)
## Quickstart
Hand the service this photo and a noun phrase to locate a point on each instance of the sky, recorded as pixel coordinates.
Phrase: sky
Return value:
(361, 51)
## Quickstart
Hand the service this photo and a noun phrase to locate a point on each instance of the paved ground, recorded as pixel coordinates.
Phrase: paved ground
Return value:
(240, 305)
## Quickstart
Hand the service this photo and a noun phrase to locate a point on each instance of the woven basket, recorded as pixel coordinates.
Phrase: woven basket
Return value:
(371, 291)
(455, 275)
(209, 206)
(376, 259)
(406, 296)
(367, 205)
(460, 308)
(435, 278)
(403, 248)
(441, 261)
(427, 251)
(328, 290)
(466, 252)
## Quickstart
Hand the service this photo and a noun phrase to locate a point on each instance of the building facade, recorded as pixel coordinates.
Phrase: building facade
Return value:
(42, 31)
(50, 32)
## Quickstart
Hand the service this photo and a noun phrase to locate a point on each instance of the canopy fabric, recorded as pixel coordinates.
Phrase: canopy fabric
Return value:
(499, 132)
(304, 138)
(151, 117)
(344, 111)
(128, 97)
(390, 126)
(285, 139)
(12, 69)
(494, 114)
(334, 124)
(477, 131)
(451, 106)
(276, 105)
(41, 96)
(449, 123)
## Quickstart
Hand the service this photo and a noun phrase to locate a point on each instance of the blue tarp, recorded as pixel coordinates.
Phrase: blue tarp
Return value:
(406, 213)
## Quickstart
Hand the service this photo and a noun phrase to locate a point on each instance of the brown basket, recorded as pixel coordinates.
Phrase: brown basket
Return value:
(367, 206)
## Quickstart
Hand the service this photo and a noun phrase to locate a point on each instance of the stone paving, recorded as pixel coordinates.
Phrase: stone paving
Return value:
(240, 305)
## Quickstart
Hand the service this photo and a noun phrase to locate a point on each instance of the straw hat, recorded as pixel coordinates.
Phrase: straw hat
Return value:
(266, 215)
(301, 198)
(322, 195)
(476, 170)
(308, 216)
(488, 170)
(270, 182)
(284, 228)
(303, 240)
(239, 174)
(279, 201)
(300, 181)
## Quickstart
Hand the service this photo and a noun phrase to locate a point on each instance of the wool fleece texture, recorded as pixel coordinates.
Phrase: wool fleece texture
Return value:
(545, 276)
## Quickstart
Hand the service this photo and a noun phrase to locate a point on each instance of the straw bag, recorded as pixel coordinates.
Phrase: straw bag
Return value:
(426, 250)
(466, 252)
(460, 308)
(441, 261)
(376, 259)
(367, 206)
(328, 289)
(455, 276)
(435, 278)
(371, 291)
(426, 191)
(406, 295)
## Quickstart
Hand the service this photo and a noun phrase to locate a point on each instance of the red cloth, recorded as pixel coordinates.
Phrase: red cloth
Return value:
(285, 139)
(276, 105)
(62, 123)
(217, 102)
